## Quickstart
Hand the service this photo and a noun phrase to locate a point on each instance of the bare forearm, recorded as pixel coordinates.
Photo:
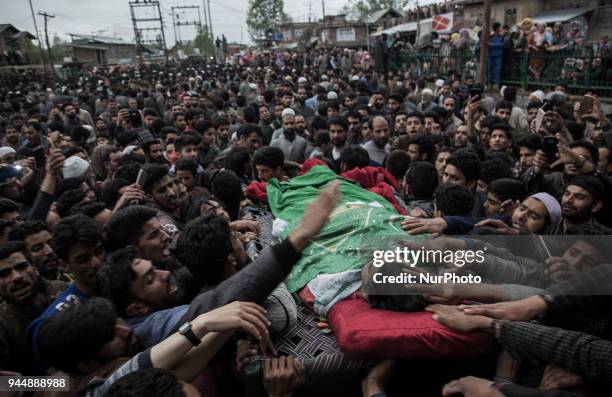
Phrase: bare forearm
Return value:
(198, 358)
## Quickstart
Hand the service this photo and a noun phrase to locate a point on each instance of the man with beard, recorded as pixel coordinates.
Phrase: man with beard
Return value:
(355, 136)
(71, 116)
(153, 152)
(77, 241)
(293, 146)
(33, 132)
(12, 138)
(300, 127)
(163, 191)
(338, 128)
(581, 159)
(25, 295)
(377, 104)
(300, 104)
(378, 147)
(582, 199)
(37, 239)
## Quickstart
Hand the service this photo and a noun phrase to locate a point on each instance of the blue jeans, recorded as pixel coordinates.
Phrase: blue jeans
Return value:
(494, 68)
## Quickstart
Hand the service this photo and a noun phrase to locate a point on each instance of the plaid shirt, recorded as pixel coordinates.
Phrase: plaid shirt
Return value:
(577, 352)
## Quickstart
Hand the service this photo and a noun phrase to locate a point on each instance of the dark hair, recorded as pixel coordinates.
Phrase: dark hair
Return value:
(149, 112)
(203, 125)
(453, 199)
(9, 248)
(591, 184)
(508, 189)
(341, 121)
(185, 140)
(67, 200)
(416, 114)
(75, 229)
(503, 127)
(205, 237)
(124, 138)
(588, 146)
(397, 163)
(510, 94)
(76, 333)
(88, 208)
(322, 138)
(226, 187)
(534, 105)
(125, 225)
(355, 157)
(269, 156)
(491, 170)
(114, 279)
(503, 104)
(110, 192)
(146, 146)
(531, 141)
(467, 162)
(422, 178)
(8, 205)
(247, 129)
(128, 172)
(237, 158)
(153, 173)
(319, 123)
(426, 145)
(188, 164)
(168, 130)
(150, 382)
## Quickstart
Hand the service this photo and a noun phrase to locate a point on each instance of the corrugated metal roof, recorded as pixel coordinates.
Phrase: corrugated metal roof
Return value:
(380, 13)
(404, 27)
(561, 15)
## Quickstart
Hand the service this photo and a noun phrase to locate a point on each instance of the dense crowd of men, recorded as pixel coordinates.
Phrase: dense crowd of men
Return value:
(124, 231)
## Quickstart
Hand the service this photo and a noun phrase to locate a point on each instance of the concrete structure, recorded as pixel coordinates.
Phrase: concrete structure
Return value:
(596, 14)
(11, 52)
(85, 55)
(117, 51)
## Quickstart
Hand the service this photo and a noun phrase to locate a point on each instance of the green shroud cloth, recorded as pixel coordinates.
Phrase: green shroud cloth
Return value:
(361, 223)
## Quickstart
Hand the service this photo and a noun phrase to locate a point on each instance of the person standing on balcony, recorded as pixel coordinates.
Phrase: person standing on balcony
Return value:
(496, 47)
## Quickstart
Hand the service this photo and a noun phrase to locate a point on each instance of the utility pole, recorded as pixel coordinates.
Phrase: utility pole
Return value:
(210, 23)
(309, 11)
(177, 24)
(324, 24)
(484, 42)
(138, 31)
(42, 54)
(47, 16)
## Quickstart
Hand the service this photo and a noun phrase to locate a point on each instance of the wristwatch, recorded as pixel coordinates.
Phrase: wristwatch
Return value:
(186, 331)
(549, 299)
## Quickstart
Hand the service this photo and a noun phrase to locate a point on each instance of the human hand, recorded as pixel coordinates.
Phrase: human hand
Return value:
(55, 163)
(501, 226)
(540, 162)
(316, 215)
(375, 381)
(244, 351)
(470, 386)
(559, 378)
(456, 319)
(245, 316)
(281, 375)
(435, 226)
(522, 310)
(242, 224)
(132, 195)
(557, 269)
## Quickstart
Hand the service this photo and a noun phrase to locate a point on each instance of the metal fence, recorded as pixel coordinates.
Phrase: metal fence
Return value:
(579, 70)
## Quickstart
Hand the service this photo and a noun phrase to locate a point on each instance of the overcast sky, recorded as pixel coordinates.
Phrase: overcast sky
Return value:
(90, 16)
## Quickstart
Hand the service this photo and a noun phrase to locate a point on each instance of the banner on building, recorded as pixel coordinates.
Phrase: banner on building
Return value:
(345, 34)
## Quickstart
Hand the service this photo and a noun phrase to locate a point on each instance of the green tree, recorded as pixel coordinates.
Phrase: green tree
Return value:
(361, 9)
(264, 18)
(32, 51)
(204, 42)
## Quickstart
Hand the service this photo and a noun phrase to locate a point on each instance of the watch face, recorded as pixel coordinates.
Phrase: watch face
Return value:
(184, 328)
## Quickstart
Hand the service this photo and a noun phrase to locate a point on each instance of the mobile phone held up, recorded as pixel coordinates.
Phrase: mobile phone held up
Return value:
(549, 147)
